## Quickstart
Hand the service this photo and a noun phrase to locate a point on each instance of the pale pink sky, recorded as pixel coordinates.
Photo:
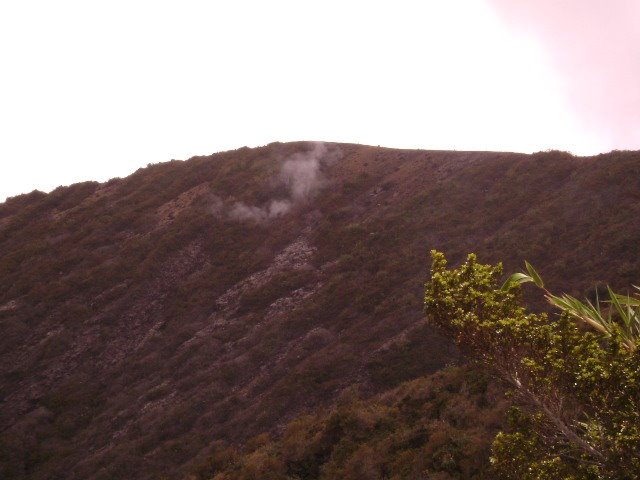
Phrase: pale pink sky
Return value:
(95, 90)
(595, 45)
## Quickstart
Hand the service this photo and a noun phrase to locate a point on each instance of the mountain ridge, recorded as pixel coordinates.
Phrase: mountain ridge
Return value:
(147, 317)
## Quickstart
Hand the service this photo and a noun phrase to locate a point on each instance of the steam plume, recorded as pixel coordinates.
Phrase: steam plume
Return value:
(301, 174)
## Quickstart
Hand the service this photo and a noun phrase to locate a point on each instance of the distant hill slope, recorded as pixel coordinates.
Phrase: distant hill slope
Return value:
(437, 427)
(144, 318)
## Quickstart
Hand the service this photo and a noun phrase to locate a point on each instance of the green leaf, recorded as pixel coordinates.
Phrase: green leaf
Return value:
(517, 279)
(626, 300)
(587, 313)
(624, 314)
(534, 275)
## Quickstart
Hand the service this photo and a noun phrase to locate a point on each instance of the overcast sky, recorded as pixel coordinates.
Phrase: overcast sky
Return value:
(94, 90)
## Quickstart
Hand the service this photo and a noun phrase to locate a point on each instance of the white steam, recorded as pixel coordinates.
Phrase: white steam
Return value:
(279, 207)
(301, 174)
(217, 205)
(241, 211)
(275, 208)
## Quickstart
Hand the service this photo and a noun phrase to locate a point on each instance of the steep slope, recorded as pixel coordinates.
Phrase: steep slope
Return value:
(144, 318)
(437, 427)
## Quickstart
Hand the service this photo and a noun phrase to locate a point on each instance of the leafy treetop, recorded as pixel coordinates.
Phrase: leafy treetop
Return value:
(576, 393)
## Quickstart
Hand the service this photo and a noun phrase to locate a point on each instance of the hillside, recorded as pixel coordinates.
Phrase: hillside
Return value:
(146, 319)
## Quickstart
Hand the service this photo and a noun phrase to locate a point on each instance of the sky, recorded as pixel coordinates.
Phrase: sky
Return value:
(96, 90)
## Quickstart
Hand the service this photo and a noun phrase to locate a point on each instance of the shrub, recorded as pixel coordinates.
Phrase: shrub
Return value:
(576, 392)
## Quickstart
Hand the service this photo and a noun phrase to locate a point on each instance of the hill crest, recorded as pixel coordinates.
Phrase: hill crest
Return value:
(213, 299)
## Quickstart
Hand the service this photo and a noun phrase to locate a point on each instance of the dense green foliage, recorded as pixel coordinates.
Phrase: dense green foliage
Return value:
(577, 392)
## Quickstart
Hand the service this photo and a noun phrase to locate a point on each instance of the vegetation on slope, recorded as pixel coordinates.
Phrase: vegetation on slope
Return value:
(140, 325)
(574, 396)
(437, 427)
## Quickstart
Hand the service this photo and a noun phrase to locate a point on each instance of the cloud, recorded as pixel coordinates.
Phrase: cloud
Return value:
(595, 45)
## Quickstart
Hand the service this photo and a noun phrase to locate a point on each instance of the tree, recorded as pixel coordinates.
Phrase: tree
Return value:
(576, 392)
